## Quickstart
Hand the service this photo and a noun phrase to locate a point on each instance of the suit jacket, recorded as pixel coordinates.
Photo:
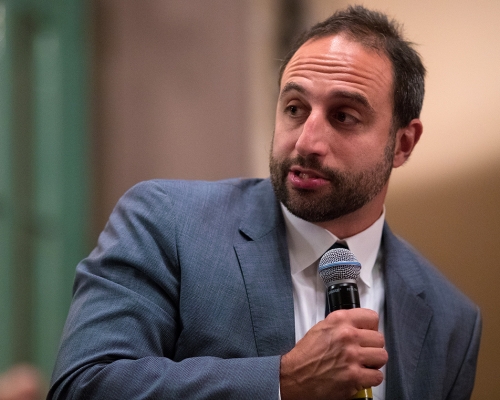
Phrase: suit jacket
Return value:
(188, 295)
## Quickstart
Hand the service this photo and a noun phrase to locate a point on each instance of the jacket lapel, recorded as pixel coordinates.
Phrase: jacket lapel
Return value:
(263, 256)
(407, 316)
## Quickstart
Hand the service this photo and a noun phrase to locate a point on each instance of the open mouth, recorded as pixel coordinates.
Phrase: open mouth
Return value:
(306, 174)
(306, 178)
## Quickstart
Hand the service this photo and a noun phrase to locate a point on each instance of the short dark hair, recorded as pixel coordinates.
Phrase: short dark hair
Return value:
(374, 30)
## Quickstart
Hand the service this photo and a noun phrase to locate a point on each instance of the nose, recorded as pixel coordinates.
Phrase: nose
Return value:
(314, 135)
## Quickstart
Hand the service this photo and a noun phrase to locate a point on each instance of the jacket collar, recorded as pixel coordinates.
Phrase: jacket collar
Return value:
(261, 211)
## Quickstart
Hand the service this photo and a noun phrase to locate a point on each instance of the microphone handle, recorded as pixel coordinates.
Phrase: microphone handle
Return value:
(365, 394)
(344, 296)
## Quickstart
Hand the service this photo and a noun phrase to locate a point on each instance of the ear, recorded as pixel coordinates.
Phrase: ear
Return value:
(406, 140)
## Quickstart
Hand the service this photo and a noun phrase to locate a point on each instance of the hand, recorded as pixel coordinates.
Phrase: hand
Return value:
(22, 382)
(336, 358)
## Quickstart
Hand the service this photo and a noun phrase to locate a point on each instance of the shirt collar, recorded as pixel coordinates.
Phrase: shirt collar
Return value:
(307, 242)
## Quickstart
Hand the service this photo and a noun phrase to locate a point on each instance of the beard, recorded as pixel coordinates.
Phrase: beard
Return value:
(347, 191)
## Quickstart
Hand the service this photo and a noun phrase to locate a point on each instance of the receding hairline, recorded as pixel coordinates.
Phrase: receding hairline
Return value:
(372, 43)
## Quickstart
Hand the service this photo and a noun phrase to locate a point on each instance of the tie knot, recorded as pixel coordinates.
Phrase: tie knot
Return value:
(339, 245)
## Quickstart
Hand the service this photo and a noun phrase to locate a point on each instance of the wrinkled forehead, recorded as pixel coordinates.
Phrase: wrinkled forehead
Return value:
(339, 57)
(368, 43)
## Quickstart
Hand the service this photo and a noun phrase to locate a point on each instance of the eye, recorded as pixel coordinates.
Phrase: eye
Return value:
(341, 116)
(295, 110)
(345, 118)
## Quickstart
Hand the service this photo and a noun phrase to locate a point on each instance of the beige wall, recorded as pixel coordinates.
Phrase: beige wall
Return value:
(170, 96)
(185, 89)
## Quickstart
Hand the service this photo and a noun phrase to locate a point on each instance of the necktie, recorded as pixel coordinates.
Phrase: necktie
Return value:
(336, 245)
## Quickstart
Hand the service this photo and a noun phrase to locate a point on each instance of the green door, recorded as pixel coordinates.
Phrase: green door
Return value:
(44, 172)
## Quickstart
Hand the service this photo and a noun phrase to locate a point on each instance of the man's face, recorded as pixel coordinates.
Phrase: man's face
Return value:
(333, 148)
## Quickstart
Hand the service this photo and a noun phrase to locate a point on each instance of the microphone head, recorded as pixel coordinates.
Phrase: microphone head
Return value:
(338, 265)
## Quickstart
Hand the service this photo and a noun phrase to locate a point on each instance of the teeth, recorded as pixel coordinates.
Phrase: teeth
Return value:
(304, 175)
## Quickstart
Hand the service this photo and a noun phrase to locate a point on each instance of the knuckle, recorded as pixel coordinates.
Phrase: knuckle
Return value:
(350, 353)
(339, 315)
(347, 334)
(351, 374)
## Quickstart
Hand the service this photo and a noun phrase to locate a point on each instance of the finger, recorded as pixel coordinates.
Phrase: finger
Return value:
(369, 338)
(373, 358)
(370, 377)
(361, 318)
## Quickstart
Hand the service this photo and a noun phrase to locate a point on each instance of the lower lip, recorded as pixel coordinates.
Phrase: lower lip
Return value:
(306, 183)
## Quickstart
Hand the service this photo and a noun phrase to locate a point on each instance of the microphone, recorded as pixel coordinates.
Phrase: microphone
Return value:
(339, 269)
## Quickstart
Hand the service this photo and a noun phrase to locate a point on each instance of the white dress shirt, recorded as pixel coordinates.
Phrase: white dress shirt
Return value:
(307, 242)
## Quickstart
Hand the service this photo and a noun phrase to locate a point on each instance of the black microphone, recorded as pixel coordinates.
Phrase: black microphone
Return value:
(339, 269)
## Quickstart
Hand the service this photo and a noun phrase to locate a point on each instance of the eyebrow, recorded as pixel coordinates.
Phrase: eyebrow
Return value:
(355, 97)
(344, 94)
(290, 86)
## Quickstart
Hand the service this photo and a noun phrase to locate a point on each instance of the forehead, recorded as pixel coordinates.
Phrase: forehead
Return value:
(338, 62)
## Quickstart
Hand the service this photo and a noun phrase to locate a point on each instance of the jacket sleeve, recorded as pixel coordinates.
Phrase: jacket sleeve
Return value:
(121, 334)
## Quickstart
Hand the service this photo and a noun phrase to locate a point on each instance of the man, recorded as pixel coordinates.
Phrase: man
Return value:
(210, 290)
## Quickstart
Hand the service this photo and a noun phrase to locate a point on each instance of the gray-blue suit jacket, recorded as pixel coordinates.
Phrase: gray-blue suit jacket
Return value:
(188, 295)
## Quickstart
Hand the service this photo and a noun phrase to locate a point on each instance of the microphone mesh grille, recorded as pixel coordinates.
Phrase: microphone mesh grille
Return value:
(338, 265)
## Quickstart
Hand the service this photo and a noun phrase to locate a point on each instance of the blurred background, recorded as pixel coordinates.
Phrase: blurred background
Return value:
(98, 95)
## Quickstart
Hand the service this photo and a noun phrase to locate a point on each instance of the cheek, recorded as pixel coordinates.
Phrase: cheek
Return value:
(358, 155)
(283, 144)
